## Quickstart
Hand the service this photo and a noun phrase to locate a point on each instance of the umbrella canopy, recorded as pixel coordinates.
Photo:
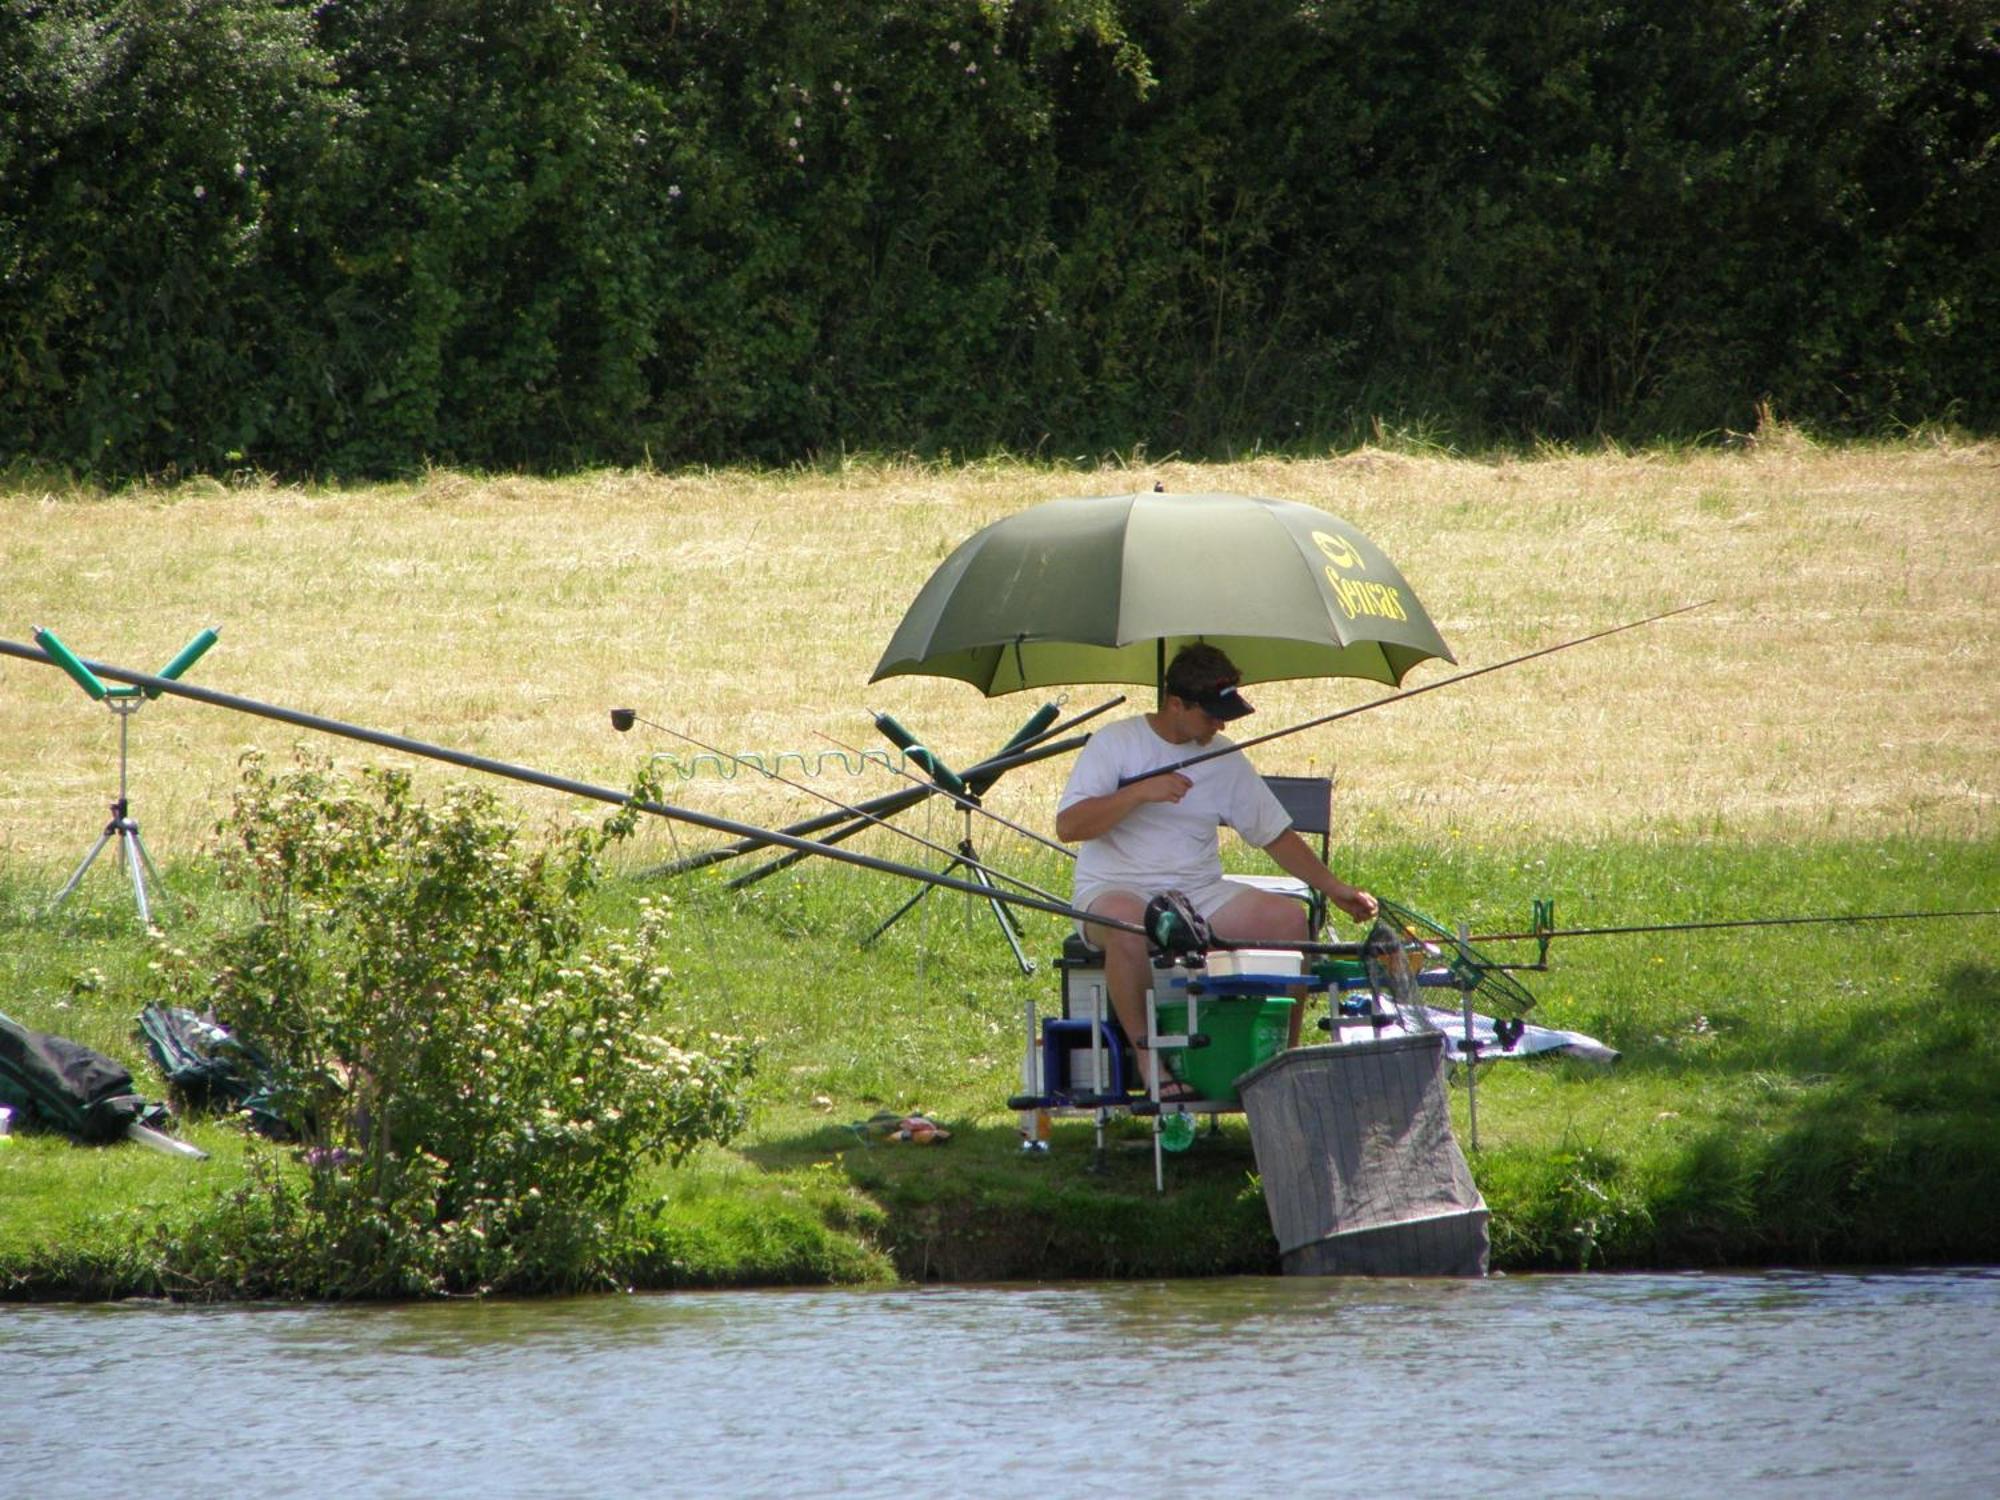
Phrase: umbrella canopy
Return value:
(1107, 589)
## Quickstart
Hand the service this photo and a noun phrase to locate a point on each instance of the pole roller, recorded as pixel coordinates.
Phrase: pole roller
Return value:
(67, 659)
(917, 751)
(191, 653)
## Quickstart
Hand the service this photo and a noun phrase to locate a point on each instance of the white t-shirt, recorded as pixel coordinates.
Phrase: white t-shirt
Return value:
(1166, 846)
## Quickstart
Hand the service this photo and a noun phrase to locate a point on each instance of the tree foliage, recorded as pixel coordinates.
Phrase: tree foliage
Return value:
(356, 236)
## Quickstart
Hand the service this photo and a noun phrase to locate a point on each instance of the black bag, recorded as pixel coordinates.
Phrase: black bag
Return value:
(207, 1067)
(57, 1084)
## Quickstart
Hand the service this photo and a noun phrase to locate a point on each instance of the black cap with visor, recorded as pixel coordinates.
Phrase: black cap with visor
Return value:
(1223, 703)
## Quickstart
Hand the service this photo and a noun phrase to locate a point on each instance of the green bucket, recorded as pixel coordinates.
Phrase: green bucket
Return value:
(1242, 1031)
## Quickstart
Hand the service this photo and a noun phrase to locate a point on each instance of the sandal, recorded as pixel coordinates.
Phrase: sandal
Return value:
(1178, 1091)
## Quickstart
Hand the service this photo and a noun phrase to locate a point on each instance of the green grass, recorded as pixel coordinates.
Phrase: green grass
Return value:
(1826, 1094)
(1819, 739)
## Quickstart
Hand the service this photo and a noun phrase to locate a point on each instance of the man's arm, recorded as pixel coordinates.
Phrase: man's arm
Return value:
(1094, 817)
(1295, 857)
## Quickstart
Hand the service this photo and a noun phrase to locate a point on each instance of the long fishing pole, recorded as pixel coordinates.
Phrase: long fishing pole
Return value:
(1033, 744)
(1028, 744)
(970, 803)
(876, 806)
(954, 854)
(484, 764)
(1876, 916)
(1429, 687)
(910, 796)
(883, 806)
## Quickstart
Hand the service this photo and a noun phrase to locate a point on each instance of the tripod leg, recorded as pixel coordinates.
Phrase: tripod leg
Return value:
(147, 856)
(905, 909)
(88, 860)
(133, 867)
(976, 872)
(1004, 917)
(138, 882)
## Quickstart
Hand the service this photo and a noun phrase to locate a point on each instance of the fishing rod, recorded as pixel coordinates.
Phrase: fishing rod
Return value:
(954, 854)
(488, 766)
(1545, 934)
(1033, 743)
(1515, 661)
(911, 796)
(971, 803)
(1036, 728)
(883, 806)
(1026, 747)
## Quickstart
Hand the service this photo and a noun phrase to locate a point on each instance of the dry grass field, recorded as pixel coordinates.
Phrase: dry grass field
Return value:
(1845, 680)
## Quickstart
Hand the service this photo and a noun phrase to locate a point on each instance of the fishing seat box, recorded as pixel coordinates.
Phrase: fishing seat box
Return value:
(1082, 968)
(1063, 1038)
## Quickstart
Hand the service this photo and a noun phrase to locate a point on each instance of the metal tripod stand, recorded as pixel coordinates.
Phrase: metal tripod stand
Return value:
(967, 864)
(124, 702)
(123, 826)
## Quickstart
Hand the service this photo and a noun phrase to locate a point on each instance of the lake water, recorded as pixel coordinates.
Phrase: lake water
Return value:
(1654, 1385)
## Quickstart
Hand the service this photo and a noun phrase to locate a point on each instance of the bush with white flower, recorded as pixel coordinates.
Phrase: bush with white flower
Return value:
(477, 1074)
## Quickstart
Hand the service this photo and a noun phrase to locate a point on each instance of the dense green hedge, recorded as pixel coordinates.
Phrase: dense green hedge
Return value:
(355, 236)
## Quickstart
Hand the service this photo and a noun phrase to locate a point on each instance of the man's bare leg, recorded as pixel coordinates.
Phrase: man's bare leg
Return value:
(1128, 971)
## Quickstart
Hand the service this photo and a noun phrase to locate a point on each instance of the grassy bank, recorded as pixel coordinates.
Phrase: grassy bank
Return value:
(1784, 1095)
(1820, 739)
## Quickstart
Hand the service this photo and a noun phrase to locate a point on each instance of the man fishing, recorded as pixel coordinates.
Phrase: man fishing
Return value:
(1143, 834)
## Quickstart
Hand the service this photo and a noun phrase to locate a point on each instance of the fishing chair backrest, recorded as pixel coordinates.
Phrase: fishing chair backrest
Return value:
(1309, 802)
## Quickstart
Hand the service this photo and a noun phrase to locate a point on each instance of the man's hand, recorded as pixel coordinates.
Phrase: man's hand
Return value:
(1357, 903)
(1168, 786)
(1295, 857)
(1095, 816)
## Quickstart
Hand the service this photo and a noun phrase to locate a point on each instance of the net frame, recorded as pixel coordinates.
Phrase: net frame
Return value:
(1403, 945)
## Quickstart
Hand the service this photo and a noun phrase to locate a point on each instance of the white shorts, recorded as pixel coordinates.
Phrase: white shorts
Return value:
(1207, 899)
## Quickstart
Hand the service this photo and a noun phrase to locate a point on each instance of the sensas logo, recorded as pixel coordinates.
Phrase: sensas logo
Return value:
(1357, 596)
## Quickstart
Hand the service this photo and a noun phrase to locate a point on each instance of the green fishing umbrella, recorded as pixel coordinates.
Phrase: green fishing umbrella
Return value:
(1107, 589)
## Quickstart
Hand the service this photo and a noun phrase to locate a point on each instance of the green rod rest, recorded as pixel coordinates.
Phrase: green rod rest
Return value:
(67, 660)
(1041, 719)
(908, 743)
(191, 653)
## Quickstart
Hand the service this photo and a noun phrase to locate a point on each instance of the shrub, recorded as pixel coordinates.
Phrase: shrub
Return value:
(476, 1073)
